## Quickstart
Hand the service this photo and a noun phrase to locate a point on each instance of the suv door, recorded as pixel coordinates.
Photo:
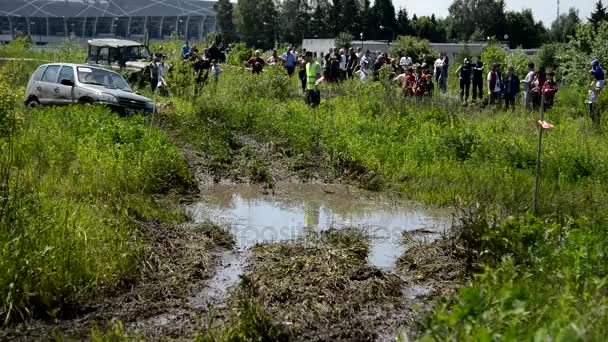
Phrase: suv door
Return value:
(66, 93)
(33, 86)
(48, 85)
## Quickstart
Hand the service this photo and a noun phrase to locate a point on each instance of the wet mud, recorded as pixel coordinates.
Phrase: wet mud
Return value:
(325, 261)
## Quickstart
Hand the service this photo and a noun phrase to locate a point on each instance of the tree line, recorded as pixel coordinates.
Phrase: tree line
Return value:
(261, 23)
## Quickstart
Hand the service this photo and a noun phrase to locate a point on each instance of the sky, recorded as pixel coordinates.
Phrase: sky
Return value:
(545, 10)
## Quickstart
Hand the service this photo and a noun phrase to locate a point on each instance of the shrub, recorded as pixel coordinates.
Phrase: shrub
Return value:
(411, 46)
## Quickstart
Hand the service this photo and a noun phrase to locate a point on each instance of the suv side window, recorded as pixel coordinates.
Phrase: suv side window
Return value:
(38, 73)
(104, 54)
(50, 75)
(67, 73)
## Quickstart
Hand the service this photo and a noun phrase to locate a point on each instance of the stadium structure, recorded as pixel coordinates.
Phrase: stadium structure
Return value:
(52, 21)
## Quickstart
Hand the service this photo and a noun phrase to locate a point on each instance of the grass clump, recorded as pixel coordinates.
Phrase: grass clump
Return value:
(324, 290)
(543, 281)
(74, 182)
(220, 236)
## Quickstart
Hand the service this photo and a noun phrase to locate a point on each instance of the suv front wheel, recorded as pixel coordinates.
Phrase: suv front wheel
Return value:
(32, 103)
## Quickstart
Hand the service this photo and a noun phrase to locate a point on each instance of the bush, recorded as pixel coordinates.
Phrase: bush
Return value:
(71, 185)
(493, 54)
(239, 54)
(413, 47)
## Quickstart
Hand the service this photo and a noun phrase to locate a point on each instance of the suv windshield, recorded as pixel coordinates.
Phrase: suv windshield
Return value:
(136, 52)
(103, 78)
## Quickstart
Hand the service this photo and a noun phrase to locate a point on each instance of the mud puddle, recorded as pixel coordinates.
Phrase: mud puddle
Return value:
(290, 211)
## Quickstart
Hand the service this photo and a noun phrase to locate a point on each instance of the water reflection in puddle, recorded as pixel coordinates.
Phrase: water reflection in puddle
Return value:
(294, 210)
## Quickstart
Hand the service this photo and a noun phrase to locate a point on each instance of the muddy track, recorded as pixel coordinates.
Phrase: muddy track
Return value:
(190, 272)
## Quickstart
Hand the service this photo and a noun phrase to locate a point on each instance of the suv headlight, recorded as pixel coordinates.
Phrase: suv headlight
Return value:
(103, 97)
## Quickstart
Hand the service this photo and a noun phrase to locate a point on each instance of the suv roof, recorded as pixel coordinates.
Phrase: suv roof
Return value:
(77, 65)
(111, 42)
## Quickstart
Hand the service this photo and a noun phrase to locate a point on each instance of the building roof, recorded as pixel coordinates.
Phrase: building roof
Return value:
(105, 8)
(111, 42)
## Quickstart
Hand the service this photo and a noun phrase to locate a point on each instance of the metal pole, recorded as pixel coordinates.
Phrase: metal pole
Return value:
(540, 139)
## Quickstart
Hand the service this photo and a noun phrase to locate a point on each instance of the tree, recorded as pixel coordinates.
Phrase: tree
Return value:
(599, 14)
(295, 21)
(344, 40)
(404, 25)
(319, 27)
(488, 16)
(366, 18)
(382, 14)
(256, 22)
(428, 28)
(224, 11)
(351, 16)
(523, 30)
(565, 26)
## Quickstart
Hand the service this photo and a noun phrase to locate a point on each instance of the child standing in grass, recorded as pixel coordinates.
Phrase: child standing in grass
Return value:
(215, 70)
(596, 87)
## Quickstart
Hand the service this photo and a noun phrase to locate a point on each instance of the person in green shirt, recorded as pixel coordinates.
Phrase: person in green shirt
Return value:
(313, 74)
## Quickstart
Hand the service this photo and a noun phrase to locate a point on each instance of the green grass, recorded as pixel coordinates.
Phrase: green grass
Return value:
(545, 277)
(74, 184)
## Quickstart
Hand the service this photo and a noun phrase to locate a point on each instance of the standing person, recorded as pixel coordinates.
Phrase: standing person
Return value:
(289, 61)
(353, 61)
(215, 70)
(154, 73)
(528, 86)
(162, 71)
(273, 59)
(302, 73)
(403, 62)
(494, 85)
(443, 78)
(510, 89)
(478, 80)
(186, 49)
(437, 66)
(343, 62)
(537, 86)
(256, 63)
(364, 71)
(596, 88)
(214, 52)
(550, 88)
(464, 74)
(364, 58)
(313, 74)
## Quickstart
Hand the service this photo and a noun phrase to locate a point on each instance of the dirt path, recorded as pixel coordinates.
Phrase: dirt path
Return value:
(323, 291)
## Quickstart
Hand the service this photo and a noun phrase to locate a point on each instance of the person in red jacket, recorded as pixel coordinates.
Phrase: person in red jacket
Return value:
(550, 88)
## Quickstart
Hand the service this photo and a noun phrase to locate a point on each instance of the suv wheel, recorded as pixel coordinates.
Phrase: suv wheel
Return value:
(33, 103)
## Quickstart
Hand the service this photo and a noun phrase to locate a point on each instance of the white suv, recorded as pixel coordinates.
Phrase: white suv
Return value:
(65, 84)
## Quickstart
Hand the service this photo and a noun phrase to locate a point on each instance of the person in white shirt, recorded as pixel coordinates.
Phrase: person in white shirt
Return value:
(528, 86)
(343, 60)
(402, 61)
(438, 66)
(364, 71)
(494, 81)
(364, 58)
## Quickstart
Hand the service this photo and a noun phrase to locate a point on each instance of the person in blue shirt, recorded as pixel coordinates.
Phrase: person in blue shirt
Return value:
(186, 50)
(596, 88)
(289, 61)
(510, 88)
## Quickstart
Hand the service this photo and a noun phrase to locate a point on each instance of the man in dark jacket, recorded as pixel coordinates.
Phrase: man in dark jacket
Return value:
(510, 89)
(478, 80)
(464, 74)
